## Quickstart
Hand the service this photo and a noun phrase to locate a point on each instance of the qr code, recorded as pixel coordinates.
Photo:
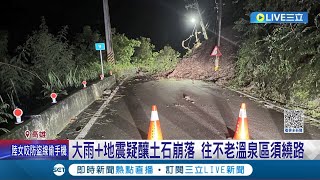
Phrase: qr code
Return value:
(293, 121)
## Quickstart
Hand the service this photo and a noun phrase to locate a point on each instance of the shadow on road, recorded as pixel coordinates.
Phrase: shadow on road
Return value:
(136, 110)
(224, 110)
(211, 120)
(227, 116)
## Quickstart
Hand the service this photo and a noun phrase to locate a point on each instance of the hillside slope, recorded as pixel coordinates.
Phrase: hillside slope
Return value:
(200, 65)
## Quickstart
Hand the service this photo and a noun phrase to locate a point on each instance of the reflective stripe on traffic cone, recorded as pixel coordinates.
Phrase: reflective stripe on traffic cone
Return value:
(242, 130)
(154, 128)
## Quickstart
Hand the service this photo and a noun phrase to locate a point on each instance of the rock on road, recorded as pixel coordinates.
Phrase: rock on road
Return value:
(187, 110)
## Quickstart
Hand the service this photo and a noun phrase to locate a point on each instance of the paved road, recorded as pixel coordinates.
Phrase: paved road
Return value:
(213, 115)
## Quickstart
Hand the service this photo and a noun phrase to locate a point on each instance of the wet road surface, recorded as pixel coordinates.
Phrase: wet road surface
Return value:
(187, 110)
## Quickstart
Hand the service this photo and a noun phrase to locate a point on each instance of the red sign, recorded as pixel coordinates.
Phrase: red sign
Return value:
(53, 95)
(216, 52)
(84, 82)
(17, 112)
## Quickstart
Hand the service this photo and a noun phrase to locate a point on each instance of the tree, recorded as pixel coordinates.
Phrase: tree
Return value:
(14, 77)
(4, 114)
(280, 61)
(167, 59)
(48, 53)
(123, 48)
(85, 52)
(144, 53)
(3, 44)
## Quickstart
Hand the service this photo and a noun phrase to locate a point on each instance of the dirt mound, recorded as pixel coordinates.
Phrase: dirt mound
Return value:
(200, 65)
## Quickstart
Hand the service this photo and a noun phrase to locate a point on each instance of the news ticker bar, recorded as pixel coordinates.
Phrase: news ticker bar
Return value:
(68, 169)
(160, 169)
(160, 150)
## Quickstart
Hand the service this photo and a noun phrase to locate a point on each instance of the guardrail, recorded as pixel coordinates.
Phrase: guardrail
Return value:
(56, 118)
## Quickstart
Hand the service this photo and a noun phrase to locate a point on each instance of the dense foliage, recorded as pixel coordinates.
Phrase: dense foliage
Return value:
(123, 48)
(281, 61)
(155, 62)
(166, 59)
(4, 113)
(84, 47)
(48, 62)
(45, 52)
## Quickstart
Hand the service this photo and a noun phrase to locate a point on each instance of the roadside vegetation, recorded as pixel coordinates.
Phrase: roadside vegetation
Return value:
(281, 62)
(55, 62)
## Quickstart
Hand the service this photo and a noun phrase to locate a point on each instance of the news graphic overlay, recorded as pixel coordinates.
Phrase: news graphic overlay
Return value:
(27, 134)
(260, 17)
(194, 150)
(293, 121)
(160, 169)
(279, 17)
(58, 169)
(69, 159)
(206, 152)
(34, 149)
(35, 134)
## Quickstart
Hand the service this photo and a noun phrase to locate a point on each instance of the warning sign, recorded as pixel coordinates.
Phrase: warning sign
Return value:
(216, 52)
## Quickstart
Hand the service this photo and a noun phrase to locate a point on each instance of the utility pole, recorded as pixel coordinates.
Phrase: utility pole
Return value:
(195, 5)
(107, 25)
(220, 17)
(219, 9)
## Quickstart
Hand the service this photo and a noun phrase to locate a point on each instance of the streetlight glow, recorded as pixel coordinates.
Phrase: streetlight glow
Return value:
(193, 20)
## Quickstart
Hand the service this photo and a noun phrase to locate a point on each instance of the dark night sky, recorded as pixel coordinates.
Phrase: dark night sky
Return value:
(164, 21)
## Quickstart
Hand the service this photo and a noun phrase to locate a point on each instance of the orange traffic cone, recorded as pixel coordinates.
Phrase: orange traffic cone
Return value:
(154, 128)
(242, 131)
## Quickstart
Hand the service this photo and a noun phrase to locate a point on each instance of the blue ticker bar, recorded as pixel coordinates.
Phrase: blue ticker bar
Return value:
(270, 169)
